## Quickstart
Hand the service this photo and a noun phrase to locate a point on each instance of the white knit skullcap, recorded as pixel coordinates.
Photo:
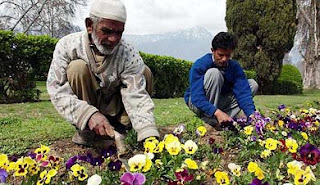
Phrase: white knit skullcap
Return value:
(109, 9)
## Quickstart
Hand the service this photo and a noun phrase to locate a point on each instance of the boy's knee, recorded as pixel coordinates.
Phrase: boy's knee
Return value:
(253, 86)
(213, 73)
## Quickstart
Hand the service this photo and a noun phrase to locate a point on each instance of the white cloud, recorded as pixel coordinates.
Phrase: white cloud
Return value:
(159, 16)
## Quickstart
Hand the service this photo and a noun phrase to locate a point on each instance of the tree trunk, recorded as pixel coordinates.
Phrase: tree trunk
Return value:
(311, 63)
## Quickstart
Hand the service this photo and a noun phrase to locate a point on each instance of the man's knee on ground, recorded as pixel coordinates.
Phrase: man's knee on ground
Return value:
(253, 86)
(77, 68)
(149, 79)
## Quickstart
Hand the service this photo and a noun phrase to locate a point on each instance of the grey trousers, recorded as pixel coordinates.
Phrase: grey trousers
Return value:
(213, 82)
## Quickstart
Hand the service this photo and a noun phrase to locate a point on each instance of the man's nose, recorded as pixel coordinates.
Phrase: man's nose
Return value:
(113, 38)
(224, 58)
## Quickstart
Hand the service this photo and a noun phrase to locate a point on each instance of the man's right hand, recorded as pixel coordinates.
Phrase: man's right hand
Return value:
(101, 125)
(222, 116)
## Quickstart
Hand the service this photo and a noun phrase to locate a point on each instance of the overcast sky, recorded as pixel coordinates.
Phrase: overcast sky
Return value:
(160, 16)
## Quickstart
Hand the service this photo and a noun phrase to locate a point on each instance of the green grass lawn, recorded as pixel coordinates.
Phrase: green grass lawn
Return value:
(26, 125)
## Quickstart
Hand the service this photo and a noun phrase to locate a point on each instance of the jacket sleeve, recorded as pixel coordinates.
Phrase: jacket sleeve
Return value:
(136, 100)
(198, 95)
(242, 91)
(75, 111)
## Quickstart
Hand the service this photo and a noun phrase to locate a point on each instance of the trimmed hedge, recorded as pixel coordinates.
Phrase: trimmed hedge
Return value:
(170, 75)
(27, 58)
(16, 77)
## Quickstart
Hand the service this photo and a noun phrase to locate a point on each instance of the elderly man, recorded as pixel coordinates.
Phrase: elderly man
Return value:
(218, 87)
(98, 82)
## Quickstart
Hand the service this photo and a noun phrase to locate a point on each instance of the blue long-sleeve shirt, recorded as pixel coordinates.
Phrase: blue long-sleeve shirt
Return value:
(234, 81)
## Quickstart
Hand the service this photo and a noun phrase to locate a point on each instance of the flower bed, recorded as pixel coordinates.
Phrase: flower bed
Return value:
(281, 149)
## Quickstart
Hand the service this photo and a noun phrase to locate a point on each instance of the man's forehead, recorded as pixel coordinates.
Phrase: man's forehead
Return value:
(110, 24)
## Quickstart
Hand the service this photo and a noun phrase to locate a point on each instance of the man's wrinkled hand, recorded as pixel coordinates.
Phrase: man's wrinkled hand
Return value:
(100, 125)
(222, 116)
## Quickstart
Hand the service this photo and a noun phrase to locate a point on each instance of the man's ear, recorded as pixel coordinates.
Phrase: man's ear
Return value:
(89, 25)
(212, 50)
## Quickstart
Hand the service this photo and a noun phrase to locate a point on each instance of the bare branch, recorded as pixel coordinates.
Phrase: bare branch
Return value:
(9, 2)
(8, 16)
(39, 12)
(24, 14)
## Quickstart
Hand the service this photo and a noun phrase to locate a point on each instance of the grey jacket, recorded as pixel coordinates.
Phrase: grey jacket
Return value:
(124, 66)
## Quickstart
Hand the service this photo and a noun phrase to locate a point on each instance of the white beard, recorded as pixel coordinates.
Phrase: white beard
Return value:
(102, 49)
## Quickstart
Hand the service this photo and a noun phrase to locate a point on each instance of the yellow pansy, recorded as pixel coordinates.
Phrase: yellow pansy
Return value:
(222, 178)
(21, 167)
(170, 138)
(148, 165)
(33, 167)
(4, 161)
(79, 172)
(292, 145)
(252, 167)
(248, 130)
(190, 147)
(152, 139)
(266, 153)
(303, 177)
(235, 169)
(259, 174)
(174, 147)
(271, 144)
(137, 162)
(42, 150)
(280, 123)
(293, 167)
(159, 147)
(304, 135)
(201, 130)
(149, 147)
(45, 177)
(191, 164)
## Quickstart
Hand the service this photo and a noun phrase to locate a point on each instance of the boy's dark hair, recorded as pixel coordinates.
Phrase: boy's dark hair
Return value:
(224, 40)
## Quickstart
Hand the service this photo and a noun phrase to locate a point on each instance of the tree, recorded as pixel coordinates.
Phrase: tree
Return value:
(265, 31)
(38, 17)
(309, 16)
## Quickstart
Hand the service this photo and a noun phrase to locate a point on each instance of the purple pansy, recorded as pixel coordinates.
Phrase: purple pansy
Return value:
(258, 182)
(115, 166)
(281, 107)
(71, 161)
(111, 150)
(310, 154)
(3, 176)
(132, 179)
(94, 161)
(32, 155)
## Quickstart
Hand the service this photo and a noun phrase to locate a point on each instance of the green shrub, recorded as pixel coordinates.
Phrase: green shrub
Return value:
(16, 77)
(289, 81)
(290, 72)
(170, 75)
(286, 87)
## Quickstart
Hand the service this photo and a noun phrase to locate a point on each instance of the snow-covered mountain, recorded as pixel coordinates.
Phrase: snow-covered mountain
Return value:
(188, 44)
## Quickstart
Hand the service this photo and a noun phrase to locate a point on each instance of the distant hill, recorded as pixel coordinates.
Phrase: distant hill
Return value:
(187, 44)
